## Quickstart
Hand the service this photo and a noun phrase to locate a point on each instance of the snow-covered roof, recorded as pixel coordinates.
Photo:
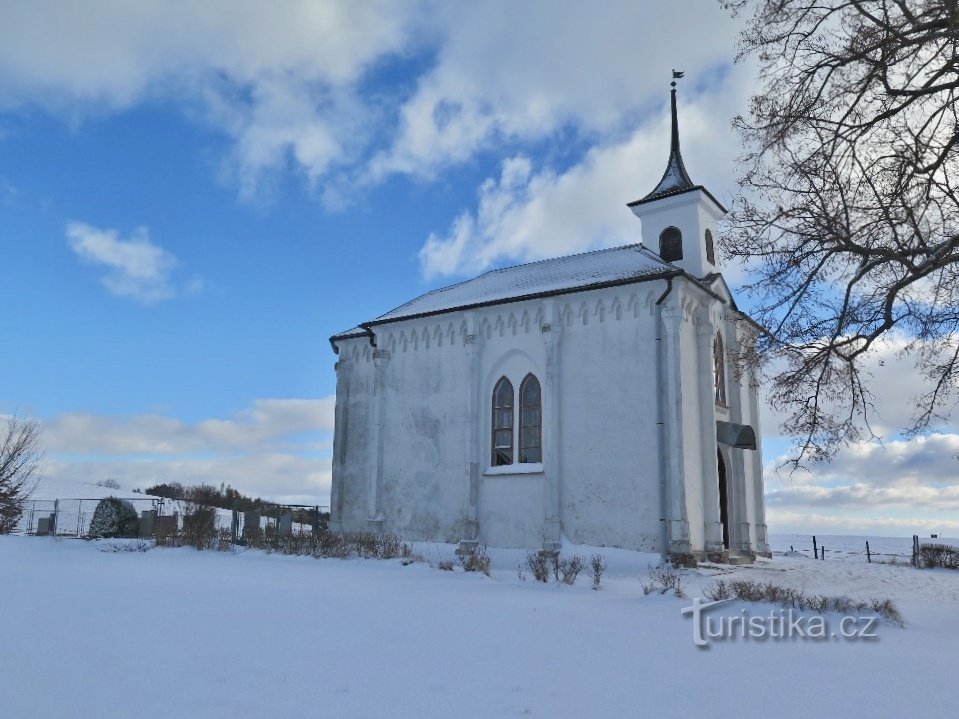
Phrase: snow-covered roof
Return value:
(617, 265)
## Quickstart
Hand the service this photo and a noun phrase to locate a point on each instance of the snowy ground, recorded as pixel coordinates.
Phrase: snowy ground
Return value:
(174, 632)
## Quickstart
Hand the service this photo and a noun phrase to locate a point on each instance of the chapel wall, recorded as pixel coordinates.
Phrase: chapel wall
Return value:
(610, 449)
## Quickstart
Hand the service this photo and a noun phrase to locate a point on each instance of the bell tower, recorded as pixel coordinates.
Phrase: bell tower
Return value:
(679, 217)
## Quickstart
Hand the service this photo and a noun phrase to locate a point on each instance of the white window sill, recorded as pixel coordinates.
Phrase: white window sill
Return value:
(529, 468)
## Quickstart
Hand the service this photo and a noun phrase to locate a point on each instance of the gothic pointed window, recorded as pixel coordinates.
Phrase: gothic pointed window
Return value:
(710, 250)
(502, 423)
(719, 370)
(671, 244)
(530, 421)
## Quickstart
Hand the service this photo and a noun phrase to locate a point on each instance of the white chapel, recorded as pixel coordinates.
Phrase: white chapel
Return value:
(585, 398)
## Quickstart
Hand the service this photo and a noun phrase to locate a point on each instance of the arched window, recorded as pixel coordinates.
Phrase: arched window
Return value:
(719, 370)
(710, 252)
(502, 423)
(671, 244)
(530, 421)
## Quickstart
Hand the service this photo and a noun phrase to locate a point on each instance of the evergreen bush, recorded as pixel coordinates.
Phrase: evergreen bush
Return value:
(114, 518)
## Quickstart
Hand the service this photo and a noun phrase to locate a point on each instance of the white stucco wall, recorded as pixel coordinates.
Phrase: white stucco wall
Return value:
(412, 450)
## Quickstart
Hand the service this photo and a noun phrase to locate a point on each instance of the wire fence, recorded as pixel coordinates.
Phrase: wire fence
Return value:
(818, 550)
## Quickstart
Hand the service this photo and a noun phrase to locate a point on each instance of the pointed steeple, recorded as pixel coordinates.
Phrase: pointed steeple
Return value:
(679, 217)
(675, 179)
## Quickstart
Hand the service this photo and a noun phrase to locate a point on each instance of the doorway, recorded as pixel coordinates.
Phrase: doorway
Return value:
(723, 497)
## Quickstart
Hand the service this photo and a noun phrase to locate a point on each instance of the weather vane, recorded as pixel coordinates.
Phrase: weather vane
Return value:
(676, 75)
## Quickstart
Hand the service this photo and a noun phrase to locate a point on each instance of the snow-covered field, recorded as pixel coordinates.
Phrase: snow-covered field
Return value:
(175, 632)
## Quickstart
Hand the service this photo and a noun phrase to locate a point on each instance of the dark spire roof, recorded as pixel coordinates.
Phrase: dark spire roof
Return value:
(675, 180)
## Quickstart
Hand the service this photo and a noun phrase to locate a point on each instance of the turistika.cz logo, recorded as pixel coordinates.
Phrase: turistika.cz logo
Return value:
(777, 625)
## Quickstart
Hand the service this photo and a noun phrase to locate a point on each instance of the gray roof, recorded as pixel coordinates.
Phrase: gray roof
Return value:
(617, 265)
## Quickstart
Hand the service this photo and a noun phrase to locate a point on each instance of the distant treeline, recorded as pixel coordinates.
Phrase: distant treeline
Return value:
(224, 497)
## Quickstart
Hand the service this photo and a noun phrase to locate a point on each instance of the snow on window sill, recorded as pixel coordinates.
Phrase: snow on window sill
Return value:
(530, 468)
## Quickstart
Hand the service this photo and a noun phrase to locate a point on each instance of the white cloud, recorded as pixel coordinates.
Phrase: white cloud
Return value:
(276, 448)
(295, 87)
(263, 424)
(136, 267)
(510, 71)
(527, 214)
(901, 486)
(281, 81)
(818, 522)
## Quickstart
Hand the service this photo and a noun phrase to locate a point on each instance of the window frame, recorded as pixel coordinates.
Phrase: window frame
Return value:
(719, 370)
(675, 237)
(536, 428)
(495, 427)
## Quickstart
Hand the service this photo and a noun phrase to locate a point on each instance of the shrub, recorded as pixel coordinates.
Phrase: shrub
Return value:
(939, 555)
(365, 545)
(300, 543)
(166, 532)
(114, 518)
(476, 560)
(717, 591)
(446, 565)
(331, 544)
(538, 565)
(597, 565)
(199, 527)
(570, 568)
(664, 578)
(887, 608)
(138, 545)
(789, 597)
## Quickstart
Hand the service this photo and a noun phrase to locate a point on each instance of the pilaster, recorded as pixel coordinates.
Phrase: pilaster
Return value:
(381, 358)
(739, 515)
(677, 524)
(759, 503)
(712, 526)
(473, 347)
(551, 332)
(344, 371)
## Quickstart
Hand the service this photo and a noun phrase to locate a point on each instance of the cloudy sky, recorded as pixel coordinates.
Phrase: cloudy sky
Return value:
(194, 197)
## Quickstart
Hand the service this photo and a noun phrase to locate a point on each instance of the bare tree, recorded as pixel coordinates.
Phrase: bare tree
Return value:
(20, 456)
(850, 212)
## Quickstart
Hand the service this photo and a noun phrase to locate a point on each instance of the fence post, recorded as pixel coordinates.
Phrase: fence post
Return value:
(868, 555)
(815, 552)
(235, 524)
(822, 552)
(915, 550)
(56, 516)
(276, 528)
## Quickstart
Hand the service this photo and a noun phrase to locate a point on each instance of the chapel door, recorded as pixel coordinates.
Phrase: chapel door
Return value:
(723, 498)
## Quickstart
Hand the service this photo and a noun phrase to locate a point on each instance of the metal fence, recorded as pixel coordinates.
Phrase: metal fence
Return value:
(70, 517)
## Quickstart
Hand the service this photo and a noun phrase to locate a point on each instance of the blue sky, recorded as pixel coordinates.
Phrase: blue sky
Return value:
(193, 199)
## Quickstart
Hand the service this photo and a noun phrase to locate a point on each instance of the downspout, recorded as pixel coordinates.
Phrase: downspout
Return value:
(369, 335)
(661, 423)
